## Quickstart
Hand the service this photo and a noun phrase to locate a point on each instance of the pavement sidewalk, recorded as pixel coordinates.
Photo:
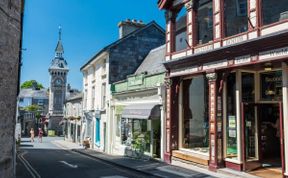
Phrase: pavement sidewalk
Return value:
(153, 167)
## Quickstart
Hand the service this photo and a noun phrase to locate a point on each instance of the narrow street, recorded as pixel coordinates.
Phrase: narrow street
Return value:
(47, 160)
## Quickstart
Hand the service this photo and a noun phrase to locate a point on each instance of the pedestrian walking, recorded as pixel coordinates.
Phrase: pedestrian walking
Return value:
(32, 135)
(40, 134)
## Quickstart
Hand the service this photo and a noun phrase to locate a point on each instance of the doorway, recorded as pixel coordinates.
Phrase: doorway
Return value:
(261, 136)
(269, 121)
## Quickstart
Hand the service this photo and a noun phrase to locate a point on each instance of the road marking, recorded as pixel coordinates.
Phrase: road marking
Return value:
(70, 165)
(166, 169)
(114, 177)
(30, 169)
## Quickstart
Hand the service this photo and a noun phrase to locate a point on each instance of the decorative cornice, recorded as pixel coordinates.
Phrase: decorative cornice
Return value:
(169, 15)
(211, 76)
(168, 83)
(189, 5)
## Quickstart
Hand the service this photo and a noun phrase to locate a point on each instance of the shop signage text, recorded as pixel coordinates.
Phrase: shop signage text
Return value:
(280, 52)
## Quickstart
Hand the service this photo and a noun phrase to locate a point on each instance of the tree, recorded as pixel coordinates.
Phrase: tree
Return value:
(31, 84)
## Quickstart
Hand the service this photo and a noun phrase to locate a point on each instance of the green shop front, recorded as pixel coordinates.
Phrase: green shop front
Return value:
(137, 113)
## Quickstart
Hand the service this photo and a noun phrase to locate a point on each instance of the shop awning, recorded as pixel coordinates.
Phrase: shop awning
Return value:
(142, 111)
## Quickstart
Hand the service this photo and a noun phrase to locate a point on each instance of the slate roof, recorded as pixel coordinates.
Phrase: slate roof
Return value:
(32, 93)
(74, 96)
(153, 63)
(59, 47)
(58, 63)
(122, 39)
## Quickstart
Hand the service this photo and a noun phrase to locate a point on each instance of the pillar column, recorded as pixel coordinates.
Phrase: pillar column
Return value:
(171, 118)
(215, 123)
(163, 133)
(218, 13)
(191, 31)
(285, 114)
(170, 31)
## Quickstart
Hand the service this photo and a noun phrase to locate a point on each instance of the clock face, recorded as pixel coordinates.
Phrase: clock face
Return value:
(58, 82)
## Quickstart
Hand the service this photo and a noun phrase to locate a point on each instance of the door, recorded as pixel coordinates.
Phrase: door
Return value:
(97, 132)
(250, 137)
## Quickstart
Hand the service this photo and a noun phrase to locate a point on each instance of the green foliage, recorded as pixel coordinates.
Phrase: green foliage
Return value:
(29, 84)
(32, 108)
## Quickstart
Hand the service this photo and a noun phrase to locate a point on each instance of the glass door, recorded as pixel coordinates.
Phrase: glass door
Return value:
(250, 145)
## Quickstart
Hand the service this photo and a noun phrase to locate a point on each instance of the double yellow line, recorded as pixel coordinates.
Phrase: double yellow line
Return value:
(28, 166)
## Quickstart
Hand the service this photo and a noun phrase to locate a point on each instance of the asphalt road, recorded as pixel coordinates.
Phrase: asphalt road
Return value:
(46, 160)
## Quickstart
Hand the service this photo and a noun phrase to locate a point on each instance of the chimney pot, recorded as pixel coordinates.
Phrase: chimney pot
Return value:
(128, 26)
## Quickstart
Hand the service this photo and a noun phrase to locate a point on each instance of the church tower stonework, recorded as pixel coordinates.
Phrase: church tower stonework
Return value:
(58, 71)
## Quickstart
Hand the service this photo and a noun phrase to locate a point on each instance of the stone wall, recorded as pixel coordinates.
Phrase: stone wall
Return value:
(126, 57)
(10, 39)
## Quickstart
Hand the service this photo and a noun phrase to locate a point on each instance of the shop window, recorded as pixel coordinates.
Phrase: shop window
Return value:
(204, 21)
(195, 114)
(274, 11)
(181, 30)
(231, 124)
(235, 17)
(135, 132)
(271, 86)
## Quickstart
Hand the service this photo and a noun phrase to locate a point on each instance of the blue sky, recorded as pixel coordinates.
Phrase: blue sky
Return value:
(87, 26)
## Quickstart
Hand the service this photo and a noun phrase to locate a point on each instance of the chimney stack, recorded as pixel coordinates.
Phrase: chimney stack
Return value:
(126, 27)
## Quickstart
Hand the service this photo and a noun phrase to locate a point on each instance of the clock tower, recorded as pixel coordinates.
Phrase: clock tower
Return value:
(58, 71)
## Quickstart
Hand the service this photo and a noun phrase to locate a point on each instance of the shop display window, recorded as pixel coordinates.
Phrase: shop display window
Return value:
(271, 86)
(231, 123)
(235, 17)
(135, 131)
(204, 21)
(274, 11)
(195, 114)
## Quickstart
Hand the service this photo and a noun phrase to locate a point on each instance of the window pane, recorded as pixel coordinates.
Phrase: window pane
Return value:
(181, 31)
(195, 121)
(205, 21)
(271, 86)
(235, 16)
(274, 11)
(231, 126)
(248, 87)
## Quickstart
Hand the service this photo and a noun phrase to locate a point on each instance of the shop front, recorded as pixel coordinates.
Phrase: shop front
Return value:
(226, 114)
(138, 129)
(253, 128)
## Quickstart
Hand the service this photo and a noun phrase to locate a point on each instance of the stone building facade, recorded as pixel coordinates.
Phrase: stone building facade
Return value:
(113, 63)
(11, 13)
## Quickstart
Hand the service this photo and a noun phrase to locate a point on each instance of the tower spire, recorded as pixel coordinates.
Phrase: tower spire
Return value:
(59, 48)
